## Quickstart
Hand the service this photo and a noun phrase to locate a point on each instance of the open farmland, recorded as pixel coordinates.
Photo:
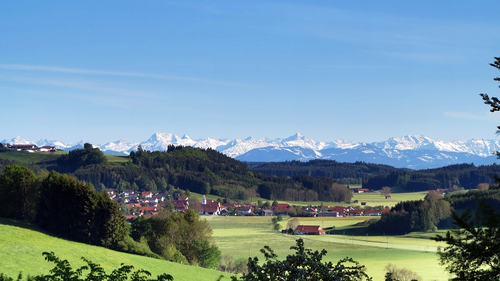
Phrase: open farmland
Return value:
(243, 237)
(370, 198)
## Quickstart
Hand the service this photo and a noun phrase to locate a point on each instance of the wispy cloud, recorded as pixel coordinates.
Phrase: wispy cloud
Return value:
(56, 69)
(470, 116)
(87, 91)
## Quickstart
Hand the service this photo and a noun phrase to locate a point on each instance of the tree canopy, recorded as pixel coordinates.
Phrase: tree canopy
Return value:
(473, 248)
(304, 264)
(71, 208)
(179, 237)
(472, 251)
(19, 191)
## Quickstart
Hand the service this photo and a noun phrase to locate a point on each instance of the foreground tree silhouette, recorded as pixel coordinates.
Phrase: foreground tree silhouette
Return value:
(305, 264)
(473, 250)
(64, 272)
(493, 102)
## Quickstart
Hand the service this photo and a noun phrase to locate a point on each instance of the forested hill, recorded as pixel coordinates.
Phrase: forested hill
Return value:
(208, 171)
(376, 176)
(345, 173)
(204, 171)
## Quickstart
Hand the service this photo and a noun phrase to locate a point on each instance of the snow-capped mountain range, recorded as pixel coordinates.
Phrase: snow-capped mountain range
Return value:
(414, 152)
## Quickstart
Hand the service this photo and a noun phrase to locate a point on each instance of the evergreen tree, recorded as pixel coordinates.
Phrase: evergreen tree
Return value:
(473, 247)
(72, 209)
(19, 193)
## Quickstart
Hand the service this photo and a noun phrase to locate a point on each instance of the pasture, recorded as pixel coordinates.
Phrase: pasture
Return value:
(370, 198)
(27, 158)
(21, 249)
(243, 237)
(240, 237)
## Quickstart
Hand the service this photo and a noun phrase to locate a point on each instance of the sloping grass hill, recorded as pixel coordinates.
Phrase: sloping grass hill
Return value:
(22, 245)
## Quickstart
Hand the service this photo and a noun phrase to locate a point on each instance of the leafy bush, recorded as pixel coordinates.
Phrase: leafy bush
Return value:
(64, 271)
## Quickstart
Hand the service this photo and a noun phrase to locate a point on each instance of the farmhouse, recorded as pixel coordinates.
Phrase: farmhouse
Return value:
(355, 212)
(20, 147)
(281, 209)
(266, 213)
(244, 210)
(309, 230)
(328, 213)
(372, 213)
(48, 148)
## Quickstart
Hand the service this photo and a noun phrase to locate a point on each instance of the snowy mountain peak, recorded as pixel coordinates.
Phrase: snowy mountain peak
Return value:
(17, 140)
(412, 151)
(297, 136)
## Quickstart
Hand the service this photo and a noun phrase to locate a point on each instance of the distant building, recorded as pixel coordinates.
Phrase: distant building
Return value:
(309, 230)
(23, 146)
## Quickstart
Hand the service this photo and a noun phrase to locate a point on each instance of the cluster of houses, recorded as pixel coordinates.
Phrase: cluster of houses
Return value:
(149, 203)
(28, 147)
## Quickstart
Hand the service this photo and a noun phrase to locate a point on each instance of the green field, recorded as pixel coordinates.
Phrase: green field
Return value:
(27, 158)
(21, 251)
(242, 237)
(370, 198)
(117, 159)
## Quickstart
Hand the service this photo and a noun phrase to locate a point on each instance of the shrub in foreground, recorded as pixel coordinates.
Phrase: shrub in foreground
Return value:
(64, 271)
(305, 264)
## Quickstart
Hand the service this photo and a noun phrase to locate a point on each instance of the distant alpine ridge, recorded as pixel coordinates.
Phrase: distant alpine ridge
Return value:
(413, 151)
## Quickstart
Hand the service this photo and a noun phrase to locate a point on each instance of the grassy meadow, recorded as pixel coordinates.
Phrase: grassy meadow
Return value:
(27, 158)
(21, 249)
(370, 198)
(243, 237)
(21, 246)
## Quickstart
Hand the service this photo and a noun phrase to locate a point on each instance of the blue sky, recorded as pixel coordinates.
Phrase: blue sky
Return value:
(101, 71)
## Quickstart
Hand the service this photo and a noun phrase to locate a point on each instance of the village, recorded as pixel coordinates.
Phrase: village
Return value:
(147, 203)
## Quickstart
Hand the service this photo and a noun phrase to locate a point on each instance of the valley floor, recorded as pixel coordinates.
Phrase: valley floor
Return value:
(243, 237)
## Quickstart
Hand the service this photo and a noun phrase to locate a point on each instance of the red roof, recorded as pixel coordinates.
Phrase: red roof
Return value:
(339, 209)
(148, 209)
(309, 229)
(210, 208)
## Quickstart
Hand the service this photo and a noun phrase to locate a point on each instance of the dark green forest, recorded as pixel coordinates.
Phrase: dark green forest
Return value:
(377, 176)
(204, 171)
(207, 171)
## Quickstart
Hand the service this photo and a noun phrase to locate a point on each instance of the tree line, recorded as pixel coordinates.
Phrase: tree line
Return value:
(69, 208)
(417, 215)
(204, 171)
(208, 171)
(376, 176)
